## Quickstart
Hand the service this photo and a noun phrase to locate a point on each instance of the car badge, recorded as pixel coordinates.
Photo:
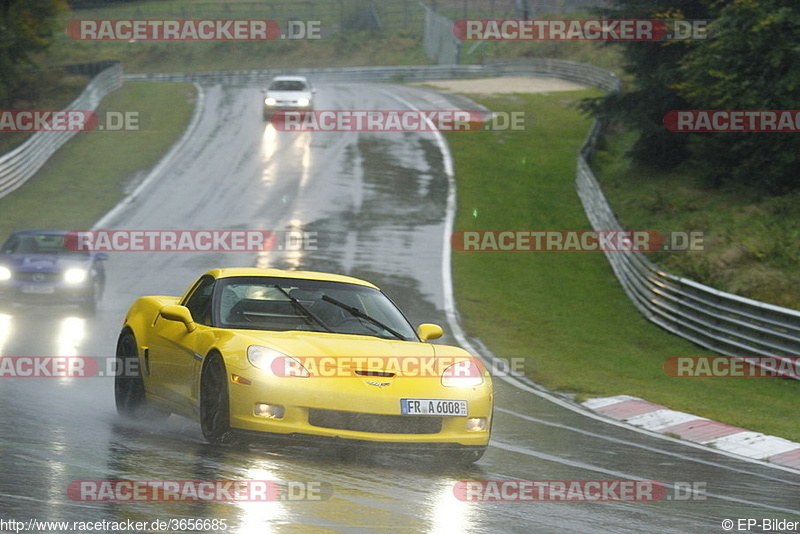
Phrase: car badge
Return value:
(379, 384)
(38, 277)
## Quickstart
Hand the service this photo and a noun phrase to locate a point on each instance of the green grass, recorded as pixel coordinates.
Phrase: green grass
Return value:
(400, 42)
(342, 50)
(565, 312)
(751, 242)
(344, 41)
(88, 175)
(601, 54)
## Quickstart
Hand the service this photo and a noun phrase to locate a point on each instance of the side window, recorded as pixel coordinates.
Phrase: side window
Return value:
(11, 245)
(199, 302)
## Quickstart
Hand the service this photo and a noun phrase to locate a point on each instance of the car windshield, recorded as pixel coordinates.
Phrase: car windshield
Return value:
(288, 85)
(281, 304)
(38, 244)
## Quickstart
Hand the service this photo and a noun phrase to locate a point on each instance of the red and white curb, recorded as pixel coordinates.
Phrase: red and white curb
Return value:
(657, 418)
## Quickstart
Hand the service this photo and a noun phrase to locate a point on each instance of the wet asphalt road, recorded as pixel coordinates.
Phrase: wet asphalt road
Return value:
(378, 204)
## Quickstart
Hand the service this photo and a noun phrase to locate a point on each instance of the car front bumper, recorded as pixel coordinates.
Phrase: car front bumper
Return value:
(46, 292)
(287, 107)
(351, 409)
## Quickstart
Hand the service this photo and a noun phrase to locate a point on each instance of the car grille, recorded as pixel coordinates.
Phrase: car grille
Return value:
(375, 423)
(36, 277)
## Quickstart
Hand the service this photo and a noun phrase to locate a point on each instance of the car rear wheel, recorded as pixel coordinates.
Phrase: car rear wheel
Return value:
(129, 391)
(215, 402)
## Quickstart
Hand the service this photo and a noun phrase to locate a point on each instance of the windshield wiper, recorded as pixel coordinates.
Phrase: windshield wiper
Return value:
(308, 313)
(358, 313)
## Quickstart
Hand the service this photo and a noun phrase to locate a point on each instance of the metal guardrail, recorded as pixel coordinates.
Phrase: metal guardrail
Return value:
(566, 70)
(21, 164)
(723, 322)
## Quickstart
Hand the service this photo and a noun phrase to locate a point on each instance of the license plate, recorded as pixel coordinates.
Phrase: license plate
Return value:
(433, 407)
(39, 290)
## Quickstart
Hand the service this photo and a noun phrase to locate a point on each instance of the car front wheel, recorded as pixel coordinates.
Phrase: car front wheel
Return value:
(215, 402)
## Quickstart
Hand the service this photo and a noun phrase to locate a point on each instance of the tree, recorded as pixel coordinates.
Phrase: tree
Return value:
(25, 28)
(750, 64)
(655, 68)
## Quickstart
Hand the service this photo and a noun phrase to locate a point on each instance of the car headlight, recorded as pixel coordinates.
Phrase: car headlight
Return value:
(303, 102)
(75, 276)
(5, 273)
(270, 101)
(277, 363)
(462, 374)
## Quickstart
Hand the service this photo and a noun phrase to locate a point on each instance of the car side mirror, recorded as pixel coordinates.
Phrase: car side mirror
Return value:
(428, 332)
(181, 314)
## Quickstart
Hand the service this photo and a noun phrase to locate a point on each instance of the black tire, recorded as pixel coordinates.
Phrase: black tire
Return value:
(464, 457)
(215, 416)
(129, 392)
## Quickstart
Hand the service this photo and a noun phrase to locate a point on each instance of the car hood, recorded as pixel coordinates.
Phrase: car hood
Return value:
(314, 344)
(41, 262)
(348, 353)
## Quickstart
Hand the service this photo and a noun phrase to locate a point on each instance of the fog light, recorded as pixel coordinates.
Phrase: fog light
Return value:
(476, 424)
(272, 411)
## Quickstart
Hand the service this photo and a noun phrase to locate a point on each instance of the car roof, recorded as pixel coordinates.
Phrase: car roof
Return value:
(280, 273)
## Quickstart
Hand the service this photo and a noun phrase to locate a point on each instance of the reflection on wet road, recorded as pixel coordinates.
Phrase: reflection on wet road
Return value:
(377, 204)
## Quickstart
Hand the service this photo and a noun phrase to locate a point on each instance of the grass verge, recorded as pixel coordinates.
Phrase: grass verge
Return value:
(565, 313)
(751, 243)
(88, 175)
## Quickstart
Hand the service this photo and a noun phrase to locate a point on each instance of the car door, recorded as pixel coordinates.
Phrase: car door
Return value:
(176, 354)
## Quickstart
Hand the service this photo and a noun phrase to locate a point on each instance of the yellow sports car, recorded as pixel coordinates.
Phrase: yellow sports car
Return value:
(301, 354)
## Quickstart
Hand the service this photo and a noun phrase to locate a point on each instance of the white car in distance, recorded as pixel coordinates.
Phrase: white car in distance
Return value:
(288, 93)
